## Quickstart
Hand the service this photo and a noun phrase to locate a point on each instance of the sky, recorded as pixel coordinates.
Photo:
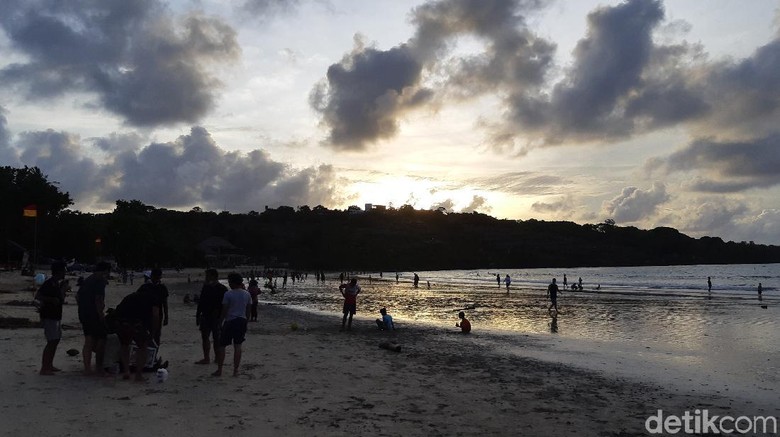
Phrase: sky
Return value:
(651, 113)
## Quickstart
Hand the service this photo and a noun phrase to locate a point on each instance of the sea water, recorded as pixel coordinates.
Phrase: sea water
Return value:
(658, 323)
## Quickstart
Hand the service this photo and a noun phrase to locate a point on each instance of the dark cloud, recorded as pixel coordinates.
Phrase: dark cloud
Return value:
(634, 204)
(366, 94)
(60, 156)
(269, 8)
(117, 143)
(727, 166)
(143, 64)
(194, 170)
(8, 155)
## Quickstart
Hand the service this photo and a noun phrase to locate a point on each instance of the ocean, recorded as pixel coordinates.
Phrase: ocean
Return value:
(651, 323)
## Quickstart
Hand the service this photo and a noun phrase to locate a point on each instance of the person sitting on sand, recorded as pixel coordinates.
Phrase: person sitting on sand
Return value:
(51, 296)
(552, 292)
(236, 307)
(350, 292)
(464, 325)
(386, 322)
(137, 315)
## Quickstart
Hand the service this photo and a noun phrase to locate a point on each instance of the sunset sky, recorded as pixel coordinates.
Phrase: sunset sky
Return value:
(650, 113)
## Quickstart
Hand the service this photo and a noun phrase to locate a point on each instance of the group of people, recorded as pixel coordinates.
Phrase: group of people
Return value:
(138, 318)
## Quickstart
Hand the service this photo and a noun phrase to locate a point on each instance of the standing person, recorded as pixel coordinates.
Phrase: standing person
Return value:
(709, 284)
(565, 284)
(498, 280)
(253, 290)
(416, 280)
(91, 299)
(396, 277)
(51, 296)
(579, 283)
(137, 315)
(284, 280)
(507, 281)
(760, 290)
(159, 289)
(208, 313)
(350, 292)
(464, 324)
(552, 292)
(236, 306)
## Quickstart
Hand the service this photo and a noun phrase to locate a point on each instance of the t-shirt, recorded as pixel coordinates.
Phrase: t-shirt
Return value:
(51, 307)
(388, 321)
(92, 287)
(465, 326)
(210, 303)
(553, 289)
(350, 294)
(236, 300)
(158, 289)
(138, 306)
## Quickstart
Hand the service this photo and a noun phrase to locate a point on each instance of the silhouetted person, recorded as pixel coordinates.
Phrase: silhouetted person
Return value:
(552, 291)
(51, 296)
(760, 290)
(350, 292)
(416, 280)
(507, 281)
(709, 284)
(498, 280)
(565, 284)
(91, 299)
(208, 313)
(464, 324)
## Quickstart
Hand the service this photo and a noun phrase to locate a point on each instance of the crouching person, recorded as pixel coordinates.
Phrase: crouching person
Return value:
(386, 322)
(136, 316)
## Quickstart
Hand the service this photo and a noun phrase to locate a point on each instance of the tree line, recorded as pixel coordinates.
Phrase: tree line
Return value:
(138, 235)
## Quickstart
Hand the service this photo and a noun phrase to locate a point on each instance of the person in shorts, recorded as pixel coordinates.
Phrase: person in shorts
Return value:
(208, 313)
(350, 292)
(552, 292)
(51, 296)
(136, 317)
(91, 299)
(236, 307)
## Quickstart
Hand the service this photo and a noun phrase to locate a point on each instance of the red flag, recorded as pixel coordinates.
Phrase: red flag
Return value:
(30, 211)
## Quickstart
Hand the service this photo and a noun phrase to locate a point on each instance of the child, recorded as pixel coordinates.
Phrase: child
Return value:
(386, 322)
(464, 325)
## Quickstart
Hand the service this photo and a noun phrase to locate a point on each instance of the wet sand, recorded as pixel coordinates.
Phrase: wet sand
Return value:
(315, 380)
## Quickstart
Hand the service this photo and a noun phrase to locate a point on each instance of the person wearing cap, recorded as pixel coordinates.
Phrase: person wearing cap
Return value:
(236, 307)
(51, 296)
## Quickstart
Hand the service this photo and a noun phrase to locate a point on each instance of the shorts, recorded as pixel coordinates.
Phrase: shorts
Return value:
(132, 330)
(233, 332)
(210, 325)
(554, 300)
(350, 308)
(52, 329)
(93, 327)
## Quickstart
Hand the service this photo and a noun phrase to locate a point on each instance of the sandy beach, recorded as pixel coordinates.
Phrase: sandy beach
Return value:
(315, 380)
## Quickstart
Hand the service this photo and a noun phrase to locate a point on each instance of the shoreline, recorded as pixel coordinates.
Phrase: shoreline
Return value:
(318, 381)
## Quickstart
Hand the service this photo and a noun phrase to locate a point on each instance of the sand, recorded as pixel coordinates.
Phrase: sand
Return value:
(315, 380)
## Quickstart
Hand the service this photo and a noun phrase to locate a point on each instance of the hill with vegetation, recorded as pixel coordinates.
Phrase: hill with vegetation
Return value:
(140, 235)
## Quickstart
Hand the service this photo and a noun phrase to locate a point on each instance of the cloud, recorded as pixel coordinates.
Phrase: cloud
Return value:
(365, 95)
(634, 204)
(8, 155)
(478, 204)
(522, 183)
(143, 64)
(447, 204)
(191, 170)
(726, 166)
(269, 8)
(61, 156)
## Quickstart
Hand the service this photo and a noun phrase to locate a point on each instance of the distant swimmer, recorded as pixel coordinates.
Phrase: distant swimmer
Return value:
(552, 292)
(709, 284)
(464, 324)
(507, 281)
